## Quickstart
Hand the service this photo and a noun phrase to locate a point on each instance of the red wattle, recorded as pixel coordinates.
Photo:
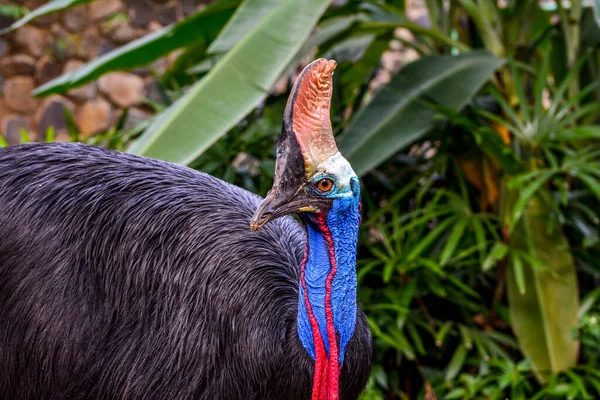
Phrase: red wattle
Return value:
(334, 367)
(320, 376)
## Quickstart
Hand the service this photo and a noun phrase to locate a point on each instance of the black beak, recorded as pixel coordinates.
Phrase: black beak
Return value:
(267, 210)
(280, 203)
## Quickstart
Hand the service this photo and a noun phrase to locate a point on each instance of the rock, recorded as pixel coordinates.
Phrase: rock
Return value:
(45, 20)
(395, 45)
(122, 33)
(94, 117)
(104, 48)
(423, 20)
(12, 125)
(90, 44)
(142, 71)
(140, 12)
(82, 93)
(32, 40)
(153, 92)
(99, 10)
(167, 14)
(154, 26)
(3, 47)
(62, 137)
(46, 69)
(189, 7)
(5, 21)
(52, 114)
(134, 117)
(75, 19)
(19, 64)
(391, 60)
(62, 41)
(122, 88)
(17, 94)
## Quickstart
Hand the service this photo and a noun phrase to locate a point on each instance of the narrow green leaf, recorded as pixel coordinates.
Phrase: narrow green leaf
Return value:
(48, 8)
(442, 333)
(430, 238)
(397, 115)
(24, 136)
(467, 339)
(519, 274)
(518, 85)
(456, 363)
(497, 253)
(50, 135)
(201, 26)
(3, 142)
(453, 240)
(416, 339)
(463, 287)
(527, 193)
(591, 183)
(579, 133)
(239, 82)
(588, 301)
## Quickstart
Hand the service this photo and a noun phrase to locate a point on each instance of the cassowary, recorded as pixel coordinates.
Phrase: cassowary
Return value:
(123, 277)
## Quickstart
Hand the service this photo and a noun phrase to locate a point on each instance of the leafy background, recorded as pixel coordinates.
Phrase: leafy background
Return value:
(478, 256)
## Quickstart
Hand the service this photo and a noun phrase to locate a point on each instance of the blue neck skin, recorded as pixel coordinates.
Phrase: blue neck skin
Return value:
(343, 222)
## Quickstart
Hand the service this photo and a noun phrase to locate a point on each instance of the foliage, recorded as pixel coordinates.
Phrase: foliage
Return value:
(478, 254)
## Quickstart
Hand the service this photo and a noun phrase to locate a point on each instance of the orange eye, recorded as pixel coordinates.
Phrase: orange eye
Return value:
(325, 185)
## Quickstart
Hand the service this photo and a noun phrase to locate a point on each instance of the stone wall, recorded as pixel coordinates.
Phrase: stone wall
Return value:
(36, 53)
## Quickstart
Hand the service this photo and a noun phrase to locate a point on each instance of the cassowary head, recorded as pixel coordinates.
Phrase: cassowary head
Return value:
(310, 172)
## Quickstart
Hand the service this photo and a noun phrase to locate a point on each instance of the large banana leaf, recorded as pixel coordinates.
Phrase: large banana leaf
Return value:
(543, 293)
(237, 84)
(202, 26)
(397, 115)
(48, 8)
(247, 16)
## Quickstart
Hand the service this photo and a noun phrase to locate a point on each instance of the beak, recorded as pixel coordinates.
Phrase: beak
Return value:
(266, 211)
(278, 203)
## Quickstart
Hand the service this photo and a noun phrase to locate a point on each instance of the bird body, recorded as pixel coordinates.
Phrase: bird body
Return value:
(123, 277)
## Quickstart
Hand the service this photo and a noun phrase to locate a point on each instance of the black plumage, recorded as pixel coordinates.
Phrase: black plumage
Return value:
(123, 277)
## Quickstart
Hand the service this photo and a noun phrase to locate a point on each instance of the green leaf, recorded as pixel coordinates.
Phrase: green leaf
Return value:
(429, 239)
(239, 82)
(201, 26)
(453, 240)
(519, 275)
(247, 16)
(440, 336)
(497, 253)
(591, 183)
(456, 363)
(48, 8)
(527, 193)
(546, 314)
(397, 115)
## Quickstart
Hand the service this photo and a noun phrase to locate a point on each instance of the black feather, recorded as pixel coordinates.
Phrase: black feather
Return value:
(123, 277)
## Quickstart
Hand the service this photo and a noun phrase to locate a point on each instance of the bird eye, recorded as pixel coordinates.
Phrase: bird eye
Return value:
(325, 185)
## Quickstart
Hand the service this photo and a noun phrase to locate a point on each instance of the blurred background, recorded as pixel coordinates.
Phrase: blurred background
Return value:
(474, 125)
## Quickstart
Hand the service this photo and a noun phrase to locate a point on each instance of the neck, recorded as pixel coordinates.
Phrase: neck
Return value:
(327, 303)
